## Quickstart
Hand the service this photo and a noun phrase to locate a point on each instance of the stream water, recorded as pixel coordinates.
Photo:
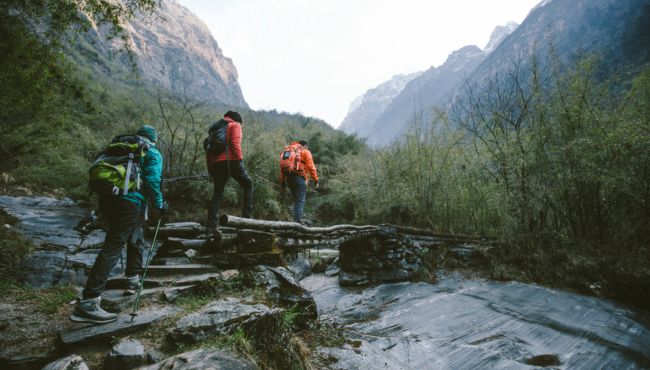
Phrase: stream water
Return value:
(477, 324)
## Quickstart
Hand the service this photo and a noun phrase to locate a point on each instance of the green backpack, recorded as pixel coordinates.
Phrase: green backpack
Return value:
(116, 169)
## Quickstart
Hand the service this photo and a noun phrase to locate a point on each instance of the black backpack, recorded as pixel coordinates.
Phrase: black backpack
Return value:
(217, 141)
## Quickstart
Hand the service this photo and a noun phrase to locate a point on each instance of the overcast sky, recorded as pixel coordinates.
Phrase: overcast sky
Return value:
(315, 56)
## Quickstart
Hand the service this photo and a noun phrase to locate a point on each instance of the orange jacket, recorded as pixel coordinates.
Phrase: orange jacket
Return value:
(307, 170)
(233, 136)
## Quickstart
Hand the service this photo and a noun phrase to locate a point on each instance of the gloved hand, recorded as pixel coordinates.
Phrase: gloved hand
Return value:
(160, 213)
(165, 208)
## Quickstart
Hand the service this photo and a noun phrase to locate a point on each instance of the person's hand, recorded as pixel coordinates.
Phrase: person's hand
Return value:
(158, 214)
(164, 209)
(316, 185)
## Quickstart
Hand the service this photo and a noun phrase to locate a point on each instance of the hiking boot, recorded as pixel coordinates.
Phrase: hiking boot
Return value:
(88, 310)
(132, 284)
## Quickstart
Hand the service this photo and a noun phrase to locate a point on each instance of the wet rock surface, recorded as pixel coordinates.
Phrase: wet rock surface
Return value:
(61, 256)
(217, 318)
(475, 324)
(203, 359)
(49, 221)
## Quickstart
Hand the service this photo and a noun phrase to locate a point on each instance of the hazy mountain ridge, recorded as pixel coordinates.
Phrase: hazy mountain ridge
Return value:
(365, 109)
(435, 86)
(175, 51)
(616, 31)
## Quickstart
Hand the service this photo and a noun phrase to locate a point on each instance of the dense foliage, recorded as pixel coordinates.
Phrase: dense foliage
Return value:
(551, 160)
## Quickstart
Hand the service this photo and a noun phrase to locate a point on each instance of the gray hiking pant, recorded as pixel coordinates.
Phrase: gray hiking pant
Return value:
(125, 223)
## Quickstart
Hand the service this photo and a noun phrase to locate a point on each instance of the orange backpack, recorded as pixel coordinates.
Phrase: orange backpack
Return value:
(290, 159)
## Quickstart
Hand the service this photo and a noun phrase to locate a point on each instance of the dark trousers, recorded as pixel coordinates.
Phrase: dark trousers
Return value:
(221, 172)
(125, 222)
(298, 187)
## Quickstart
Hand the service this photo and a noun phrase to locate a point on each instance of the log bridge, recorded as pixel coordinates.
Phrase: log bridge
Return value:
(366, 253)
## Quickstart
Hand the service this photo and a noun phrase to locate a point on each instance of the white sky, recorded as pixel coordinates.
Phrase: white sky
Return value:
(315, 56)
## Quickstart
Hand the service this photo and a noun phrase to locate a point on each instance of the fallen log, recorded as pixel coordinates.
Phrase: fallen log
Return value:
(184, 244)
(288, 227)
(178, 230)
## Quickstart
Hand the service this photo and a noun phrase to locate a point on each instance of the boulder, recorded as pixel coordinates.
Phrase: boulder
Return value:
(72, 362)
(203, 359)
(127, 354)
(217, 318)
(284, 290)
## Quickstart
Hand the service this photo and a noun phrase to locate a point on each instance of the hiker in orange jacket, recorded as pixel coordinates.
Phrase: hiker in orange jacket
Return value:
(226, 164)
(295, 174)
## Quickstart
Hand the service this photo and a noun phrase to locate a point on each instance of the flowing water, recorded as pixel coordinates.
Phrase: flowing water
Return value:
(478, 324)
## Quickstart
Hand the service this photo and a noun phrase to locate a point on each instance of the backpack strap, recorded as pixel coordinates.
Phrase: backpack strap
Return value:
(129, 167)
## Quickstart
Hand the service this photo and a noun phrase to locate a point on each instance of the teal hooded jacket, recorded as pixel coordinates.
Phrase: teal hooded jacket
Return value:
(151, 166)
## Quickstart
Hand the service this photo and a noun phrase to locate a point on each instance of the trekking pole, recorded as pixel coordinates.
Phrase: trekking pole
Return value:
(144, 273)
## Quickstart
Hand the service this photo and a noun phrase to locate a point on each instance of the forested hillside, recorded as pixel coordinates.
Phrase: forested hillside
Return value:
(67, 95)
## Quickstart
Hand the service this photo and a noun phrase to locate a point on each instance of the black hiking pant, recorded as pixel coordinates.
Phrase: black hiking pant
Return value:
(221, 172)
(125, 223)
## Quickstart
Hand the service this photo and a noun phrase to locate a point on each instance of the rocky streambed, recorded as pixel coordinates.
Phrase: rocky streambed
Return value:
(456, 323)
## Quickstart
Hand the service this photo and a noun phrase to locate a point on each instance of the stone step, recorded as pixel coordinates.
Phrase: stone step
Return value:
(164, 270)
(115, 300)
(119, 282)
(84, 333)
(170, 261)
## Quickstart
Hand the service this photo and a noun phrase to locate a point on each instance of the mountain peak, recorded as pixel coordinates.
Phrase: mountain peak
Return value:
(498, 35)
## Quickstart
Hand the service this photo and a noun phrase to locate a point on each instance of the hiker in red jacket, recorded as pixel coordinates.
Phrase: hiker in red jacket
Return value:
(226, 164)
(296, 167)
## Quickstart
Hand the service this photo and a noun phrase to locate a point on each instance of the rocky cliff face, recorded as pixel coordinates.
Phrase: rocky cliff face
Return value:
(498, 35)
(365, 109)
(618, 32)
(175, 51)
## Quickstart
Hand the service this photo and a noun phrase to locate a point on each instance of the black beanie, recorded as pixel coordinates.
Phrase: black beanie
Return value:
(234, 116)
(304, 142)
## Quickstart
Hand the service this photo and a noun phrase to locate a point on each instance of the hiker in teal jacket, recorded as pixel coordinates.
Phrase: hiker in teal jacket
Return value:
(125, 215)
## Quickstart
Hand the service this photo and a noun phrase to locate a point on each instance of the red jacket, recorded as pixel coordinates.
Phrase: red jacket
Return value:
(233, 137)
(307, 170)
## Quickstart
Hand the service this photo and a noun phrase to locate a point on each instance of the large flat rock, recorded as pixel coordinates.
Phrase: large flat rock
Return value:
(83, 333)
(216, 318)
